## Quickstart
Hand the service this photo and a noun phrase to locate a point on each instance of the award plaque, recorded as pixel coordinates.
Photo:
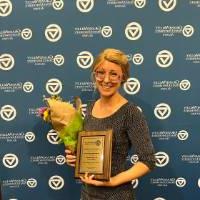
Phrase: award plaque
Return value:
(94, 154)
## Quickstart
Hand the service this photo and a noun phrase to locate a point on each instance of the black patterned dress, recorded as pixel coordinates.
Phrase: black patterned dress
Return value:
(129, 130)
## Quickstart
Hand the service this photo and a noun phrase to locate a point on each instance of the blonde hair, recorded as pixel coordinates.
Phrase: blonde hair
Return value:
(115, 56)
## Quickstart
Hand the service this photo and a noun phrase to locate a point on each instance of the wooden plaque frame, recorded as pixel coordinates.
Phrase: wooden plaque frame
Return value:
(94, 154)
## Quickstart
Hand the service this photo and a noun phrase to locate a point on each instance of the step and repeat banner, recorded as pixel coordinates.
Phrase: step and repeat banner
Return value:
(47, 48)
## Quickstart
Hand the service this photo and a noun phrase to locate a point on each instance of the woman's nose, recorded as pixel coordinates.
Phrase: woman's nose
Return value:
(107, 78)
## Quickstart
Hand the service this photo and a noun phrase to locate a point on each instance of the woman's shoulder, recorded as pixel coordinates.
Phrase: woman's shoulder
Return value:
(132, 106)
(133, 110)
(89, 107)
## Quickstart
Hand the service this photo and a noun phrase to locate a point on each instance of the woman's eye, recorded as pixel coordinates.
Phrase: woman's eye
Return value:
(113, 74)
(100, 72)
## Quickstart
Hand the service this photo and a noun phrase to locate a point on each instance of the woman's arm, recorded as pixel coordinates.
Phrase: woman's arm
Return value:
(136, 171)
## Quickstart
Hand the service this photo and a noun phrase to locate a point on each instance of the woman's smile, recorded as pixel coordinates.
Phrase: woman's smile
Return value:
(106, 86)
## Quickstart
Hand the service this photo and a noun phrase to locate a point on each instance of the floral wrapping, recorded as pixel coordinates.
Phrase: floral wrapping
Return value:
(66, 119)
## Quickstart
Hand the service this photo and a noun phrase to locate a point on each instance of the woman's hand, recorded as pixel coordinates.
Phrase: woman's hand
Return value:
(70, 158)
(89, 179)
(136, 171)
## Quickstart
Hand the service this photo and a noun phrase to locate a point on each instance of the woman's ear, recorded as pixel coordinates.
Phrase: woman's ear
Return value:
(92, 78)
(94, 85)
(123, 80)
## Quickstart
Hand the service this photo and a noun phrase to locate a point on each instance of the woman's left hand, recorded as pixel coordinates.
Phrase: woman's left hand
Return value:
(89, 179)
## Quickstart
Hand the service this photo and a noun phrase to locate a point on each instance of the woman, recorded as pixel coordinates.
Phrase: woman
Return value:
(112, 111)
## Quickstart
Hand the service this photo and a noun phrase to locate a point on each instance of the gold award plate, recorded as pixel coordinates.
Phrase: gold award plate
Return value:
(94, 154)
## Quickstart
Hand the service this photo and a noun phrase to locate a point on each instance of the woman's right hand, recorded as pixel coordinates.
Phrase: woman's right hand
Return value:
(70, 158)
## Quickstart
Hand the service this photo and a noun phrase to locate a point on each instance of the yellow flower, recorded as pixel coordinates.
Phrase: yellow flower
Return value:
(46, 115)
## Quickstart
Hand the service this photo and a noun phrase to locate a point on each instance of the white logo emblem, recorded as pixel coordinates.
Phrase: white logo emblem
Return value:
(182, 135)
(138, 59)
(53, 86)
(5, 8)
(140, 3)
(56, 182)
(7, 62)
(52, 137)
(85, 5)
(139, 108)
(133, 31)
(29, 136)
(84, 109)
(10, 160)
(159, 198)
(164, 58)
(85, 59)
(8, 113)
(188, 31)
(134, 159)
(53, 32)
(58, 60)
(57, 4)
(26, 34)
(162, 159)
(132, 86)
(185, 85)
(180, 182)
(106, 31)
(135, 183)
(28, 87)
(60, 160)
(32, 183)
(162, 111)
(167, 5)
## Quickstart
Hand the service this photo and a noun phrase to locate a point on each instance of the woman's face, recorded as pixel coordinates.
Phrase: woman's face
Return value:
(108, 78)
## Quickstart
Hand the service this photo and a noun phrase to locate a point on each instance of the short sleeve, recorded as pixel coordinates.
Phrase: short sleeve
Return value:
(138, 134)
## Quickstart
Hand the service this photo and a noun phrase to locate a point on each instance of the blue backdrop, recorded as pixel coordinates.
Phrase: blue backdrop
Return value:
(47, 47)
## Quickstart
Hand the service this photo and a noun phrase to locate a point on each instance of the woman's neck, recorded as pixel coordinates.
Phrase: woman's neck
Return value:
(111, 100)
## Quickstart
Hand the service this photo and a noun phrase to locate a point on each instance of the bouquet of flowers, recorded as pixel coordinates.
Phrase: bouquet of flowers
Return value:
(66, 119)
